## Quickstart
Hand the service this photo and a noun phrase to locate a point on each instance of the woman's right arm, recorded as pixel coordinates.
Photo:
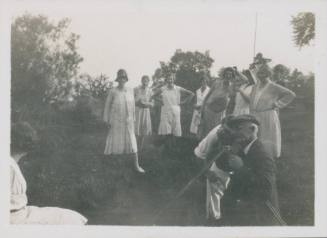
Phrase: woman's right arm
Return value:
(212, 89)
(285, 97)
(244, 95)
(108, 106)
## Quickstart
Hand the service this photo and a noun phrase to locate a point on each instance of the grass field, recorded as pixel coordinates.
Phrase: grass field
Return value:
(79, 177)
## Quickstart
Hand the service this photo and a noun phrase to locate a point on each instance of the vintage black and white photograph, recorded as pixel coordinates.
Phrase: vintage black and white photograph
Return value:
(144, 116)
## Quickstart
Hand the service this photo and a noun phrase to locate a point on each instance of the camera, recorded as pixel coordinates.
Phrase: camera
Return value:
(229, 161)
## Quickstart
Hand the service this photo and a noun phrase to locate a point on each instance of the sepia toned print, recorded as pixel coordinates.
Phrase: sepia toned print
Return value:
(154, 123)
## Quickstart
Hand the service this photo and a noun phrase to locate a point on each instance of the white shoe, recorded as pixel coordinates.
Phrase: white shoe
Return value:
(140, 169)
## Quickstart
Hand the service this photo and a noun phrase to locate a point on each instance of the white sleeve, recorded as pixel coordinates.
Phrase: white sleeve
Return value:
(204, 147)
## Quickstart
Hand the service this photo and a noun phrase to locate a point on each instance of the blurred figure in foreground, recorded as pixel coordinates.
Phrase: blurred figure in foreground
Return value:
(24, 138)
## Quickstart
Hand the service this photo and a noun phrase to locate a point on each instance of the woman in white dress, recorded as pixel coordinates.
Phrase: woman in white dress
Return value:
(170, 122)
(119, 114)
(265, 100)
(201, 93)
(242, 89)
(142, 96)
(23, 139)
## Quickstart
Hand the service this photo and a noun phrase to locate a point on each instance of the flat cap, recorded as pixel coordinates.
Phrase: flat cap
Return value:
(233, 121)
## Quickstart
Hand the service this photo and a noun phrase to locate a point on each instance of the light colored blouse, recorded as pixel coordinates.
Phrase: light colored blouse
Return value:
(20, 213)
(142, 95)
(113, 107)
(270, 95)
(18, 198)
(171, 97)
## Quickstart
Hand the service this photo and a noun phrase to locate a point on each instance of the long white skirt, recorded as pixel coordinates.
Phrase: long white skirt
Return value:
(47, 216)
(121, 138)
(270, 132)
(143, 125)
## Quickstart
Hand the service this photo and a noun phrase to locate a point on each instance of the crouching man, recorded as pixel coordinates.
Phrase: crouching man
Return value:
(250, 193)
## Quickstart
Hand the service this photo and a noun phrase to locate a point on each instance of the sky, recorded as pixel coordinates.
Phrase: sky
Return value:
(137, 37)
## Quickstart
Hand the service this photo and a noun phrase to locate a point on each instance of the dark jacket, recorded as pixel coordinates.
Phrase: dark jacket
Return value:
(253, 189)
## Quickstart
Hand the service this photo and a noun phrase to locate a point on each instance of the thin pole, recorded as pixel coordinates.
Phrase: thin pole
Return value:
(255, 33)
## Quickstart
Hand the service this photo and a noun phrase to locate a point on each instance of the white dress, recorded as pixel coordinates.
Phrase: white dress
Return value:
(170, 122)
(143, 118)
(200, 95)
(262, 101)
(242, 106)
(119, 112)
(20, 213)
(215, 190)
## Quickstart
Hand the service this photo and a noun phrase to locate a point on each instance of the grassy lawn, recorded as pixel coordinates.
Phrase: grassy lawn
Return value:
(80, 177)
(296, 168)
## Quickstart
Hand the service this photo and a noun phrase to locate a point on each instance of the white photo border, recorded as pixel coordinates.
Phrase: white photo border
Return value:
(320, 227)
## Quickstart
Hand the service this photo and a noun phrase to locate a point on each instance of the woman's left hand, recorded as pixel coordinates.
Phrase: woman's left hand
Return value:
(274, 106)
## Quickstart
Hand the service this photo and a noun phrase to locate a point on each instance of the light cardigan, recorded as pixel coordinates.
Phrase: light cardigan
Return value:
(18, 198)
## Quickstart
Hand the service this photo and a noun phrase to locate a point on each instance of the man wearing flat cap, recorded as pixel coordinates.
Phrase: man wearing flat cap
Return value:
(250, 198)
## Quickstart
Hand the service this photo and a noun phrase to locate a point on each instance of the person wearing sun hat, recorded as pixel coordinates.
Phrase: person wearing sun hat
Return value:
(266, 99)
(119, 114)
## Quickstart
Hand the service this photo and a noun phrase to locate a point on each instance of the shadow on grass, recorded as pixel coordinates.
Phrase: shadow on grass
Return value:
(79, 177)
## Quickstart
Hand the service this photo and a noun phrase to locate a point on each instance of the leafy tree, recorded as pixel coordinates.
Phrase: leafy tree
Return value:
(280, 74)
(303, 28)
(188, 66)
(96, 87)
(296, 76)
(44, 60)
(296, 81)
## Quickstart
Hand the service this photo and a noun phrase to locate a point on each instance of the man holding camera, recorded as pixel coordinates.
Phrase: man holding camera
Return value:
(244, 174)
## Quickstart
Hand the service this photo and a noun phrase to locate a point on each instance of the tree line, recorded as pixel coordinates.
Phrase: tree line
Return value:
(47, 87)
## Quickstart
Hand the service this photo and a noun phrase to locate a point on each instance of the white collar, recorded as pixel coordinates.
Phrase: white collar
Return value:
(248, 147)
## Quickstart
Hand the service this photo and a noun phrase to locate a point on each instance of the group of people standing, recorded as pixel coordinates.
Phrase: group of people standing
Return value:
(243, 114)
(257, 95)
(233, 99)
(128, 112)
(238, 114)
